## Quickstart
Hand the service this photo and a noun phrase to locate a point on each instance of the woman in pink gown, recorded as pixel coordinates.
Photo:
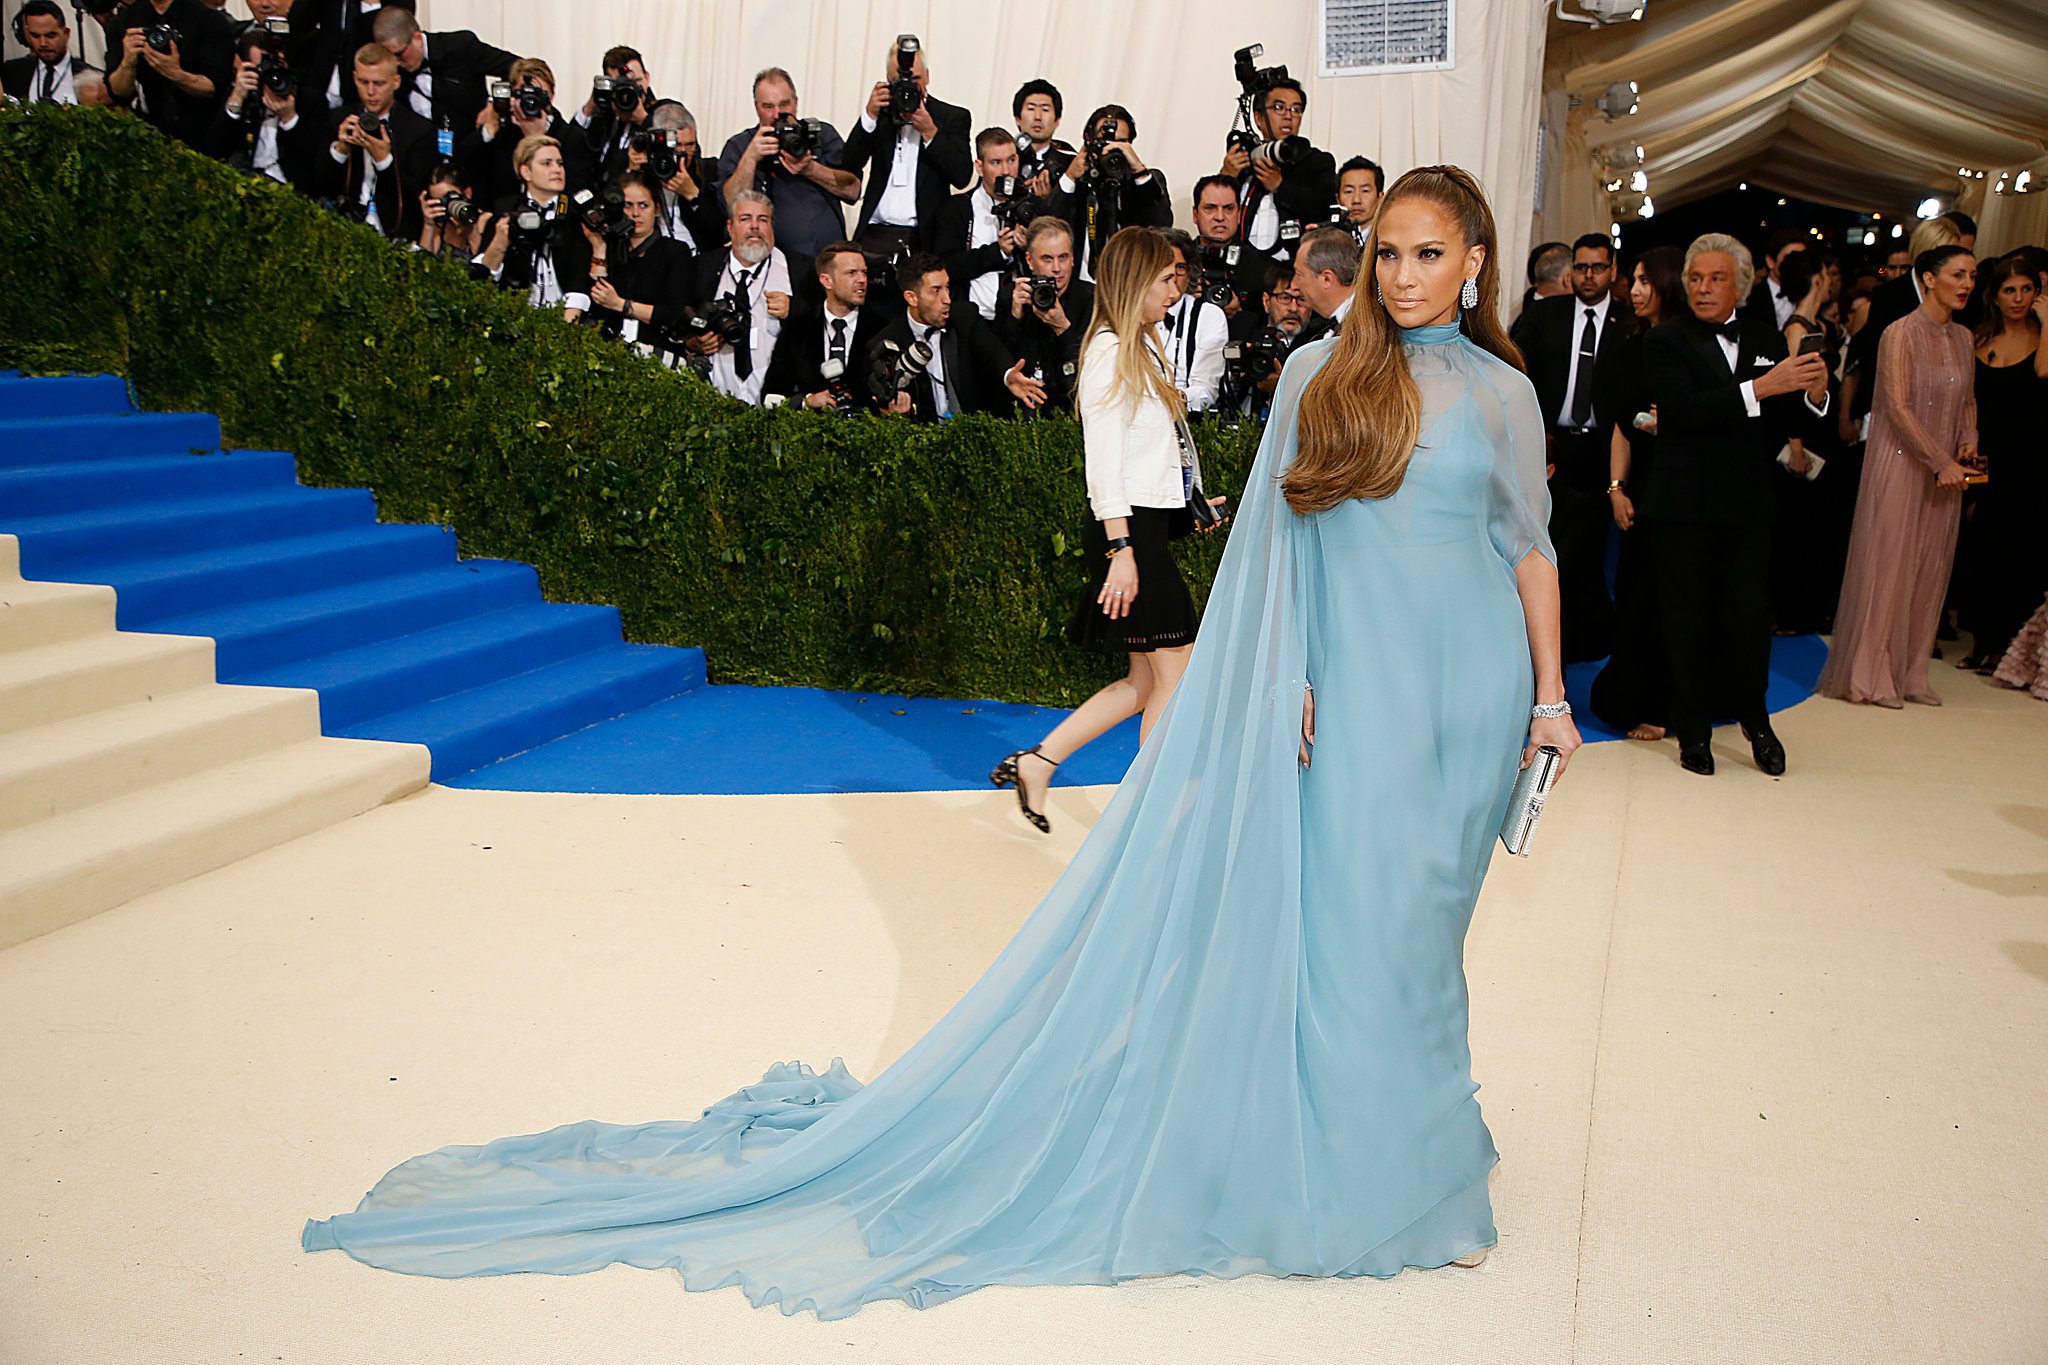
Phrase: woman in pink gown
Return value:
(1923, 441)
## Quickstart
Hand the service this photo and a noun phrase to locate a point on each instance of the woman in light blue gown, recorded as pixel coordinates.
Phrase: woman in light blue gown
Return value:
(1232, 1039)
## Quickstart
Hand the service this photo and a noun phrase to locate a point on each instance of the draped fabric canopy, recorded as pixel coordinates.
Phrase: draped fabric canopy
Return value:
(1872, 105)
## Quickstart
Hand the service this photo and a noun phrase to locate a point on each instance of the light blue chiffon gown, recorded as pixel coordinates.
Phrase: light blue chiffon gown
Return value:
(1232, 1039)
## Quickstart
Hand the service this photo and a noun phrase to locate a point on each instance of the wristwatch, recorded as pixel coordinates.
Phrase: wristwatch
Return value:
(1119, 543)
(1550, 710)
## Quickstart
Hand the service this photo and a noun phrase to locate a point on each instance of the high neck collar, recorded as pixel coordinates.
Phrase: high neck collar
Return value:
(1437, 334)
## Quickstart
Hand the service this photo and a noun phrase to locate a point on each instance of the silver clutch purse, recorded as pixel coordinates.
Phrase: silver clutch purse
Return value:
(1525, 806)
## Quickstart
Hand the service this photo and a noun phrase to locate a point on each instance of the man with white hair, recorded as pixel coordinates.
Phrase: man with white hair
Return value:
(757, 281)
(920, 154)
(1726, 397)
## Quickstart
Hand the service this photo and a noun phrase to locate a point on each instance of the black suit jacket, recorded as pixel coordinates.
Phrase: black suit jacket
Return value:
(975, 360)
(564, 245)
(1307, 189)
(659, 274)
(805, 291)
(952, 230)
(1052, 358)
(1760, 306)
(1714, 461)
(944, 164)
(461, 67)
(704, 216)
(800, 351)
(1146, 204)
(1547, 331)
(325, 35)
(1889, 302)
(398, 187)
(301, 153)
(204, 49)
(18, 77)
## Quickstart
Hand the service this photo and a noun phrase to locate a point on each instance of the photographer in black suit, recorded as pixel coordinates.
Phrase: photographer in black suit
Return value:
(640, 280)
(839, 329)
(1106, 186)
(610, 118)
(1048, 338)
(445, 77)
(49, 73)
(1280, 177)
(1038, 108)
(526, 110)
(326, 35)
(691, 209)
(970, 369)
(381, 151)
(254, 128)
(979, 234)
(1564, 342)
(176, 57)
(918, 148)
(1224, 253)
(1726, 398)
(532, 244)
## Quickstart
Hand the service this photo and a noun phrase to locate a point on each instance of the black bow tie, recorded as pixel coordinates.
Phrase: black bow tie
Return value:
(1730, 330)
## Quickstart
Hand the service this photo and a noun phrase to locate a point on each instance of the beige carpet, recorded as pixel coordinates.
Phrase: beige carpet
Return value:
(1767, 1062)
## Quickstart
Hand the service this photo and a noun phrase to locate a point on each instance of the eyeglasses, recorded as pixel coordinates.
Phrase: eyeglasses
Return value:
(1289, 297)
(1284, 107)
(1590, 267)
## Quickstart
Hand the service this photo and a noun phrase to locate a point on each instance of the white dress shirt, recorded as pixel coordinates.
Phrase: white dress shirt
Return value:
(1193, 335)
(52, 83)
(1781, 307)
(1131, 449)
(671, 220)
(898, 205)
(852, 321)
(1264, 232)
(263, 154)
(422, 97)
(942, 393)
(1571, 364)
(1747, 388)
(770, 276)
(982, 229)
(367, 198)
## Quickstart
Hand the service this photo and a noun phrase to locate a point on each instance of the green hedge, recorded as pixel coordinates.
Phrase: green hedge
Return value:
(794, 547)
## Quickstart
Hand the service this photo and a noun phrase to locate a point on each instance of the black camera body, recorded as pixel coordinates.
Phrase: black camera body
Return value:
(1255, 80)
(459, 208)
(1251, 361)
(834, 374)
(161, 38)
(533, 100)
(1013, 207)
(905, 97)
(1219, 265)
(1045, 293)
(273, 75)
(728, 318)
(530, 230)
(619, 95)
(896, 368)
(371, 124)
(1110, 167)
(663, 148)
(603, 213)
(798, 137)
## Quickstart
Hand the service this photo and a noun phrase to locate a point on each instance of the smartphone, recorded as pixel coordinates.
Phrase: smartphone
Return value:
(1813, 343)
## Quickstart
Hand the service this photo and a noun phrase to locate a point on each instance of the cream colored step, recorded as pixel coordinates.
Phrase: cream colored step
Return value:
(10, 557)
(70, 764)
(33, 614)
(59, 871)
(78, 677)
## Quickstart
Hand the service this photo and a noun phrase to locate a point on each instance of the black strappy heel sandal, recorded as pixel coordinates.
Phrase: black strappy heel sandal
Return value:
(1005, 775)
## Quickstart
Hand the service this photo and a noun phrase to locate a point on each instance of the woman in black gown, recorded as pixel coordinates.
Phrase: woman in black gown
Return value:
(2009, 534)
(1632, 691)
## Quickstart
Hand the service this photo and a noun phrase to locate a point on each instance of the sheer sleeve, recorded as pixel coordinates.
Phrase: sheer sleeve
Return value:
(1966, 361)
(1518, 511)
(1894, 398)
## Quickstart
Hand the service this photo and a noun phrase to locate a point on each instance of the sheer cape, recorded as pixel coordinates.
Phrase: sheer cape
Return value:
(1143, 1083)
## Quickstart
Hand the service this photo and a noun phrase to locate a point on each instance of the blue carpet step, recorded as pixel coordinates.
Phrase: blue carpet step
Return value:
(47, 489)
(63, 545)
(483, 725)
(63, 396)
(391, 675)
(257, 635)
(160, 589)
(46, 440)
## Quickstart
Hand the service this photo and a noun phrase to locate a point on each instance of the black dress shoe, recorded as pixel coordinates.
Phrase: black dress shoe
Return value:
(1765, 748)
(1697, 757)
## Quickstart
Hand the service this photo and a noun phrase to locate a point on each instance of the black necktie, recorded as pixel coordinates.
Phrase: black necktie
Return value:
(839, 340)
(940, 397)
(743, 345)
(1582, 378)
(49, 80)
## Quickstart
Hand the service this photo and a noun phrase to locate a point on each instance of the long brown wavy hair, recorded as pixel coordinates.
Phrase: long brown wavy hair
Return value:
(1123, 276)
(1361, 414)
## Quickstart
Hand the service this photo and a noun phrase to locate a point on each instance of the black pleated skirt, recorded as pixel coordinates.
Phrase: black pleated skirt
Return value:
(1163, 616)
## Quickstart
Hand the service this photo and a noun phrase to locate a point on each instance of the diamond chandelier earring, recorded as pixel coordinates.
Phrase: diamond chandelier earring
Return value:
(1468, 297)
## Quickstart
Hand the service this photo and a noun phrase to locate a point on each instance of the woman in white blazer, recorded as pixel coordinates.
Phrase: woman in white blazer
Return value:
(1139, 483)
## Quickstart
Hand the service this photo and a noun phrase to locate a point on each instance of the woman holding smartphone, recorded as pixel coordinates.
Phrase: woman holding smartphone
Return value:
(1141, 478)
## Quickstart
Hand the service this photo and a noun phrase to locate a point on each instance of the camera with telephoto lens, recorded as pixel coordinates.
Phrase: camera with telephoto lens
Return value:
(459, 208)
(797, 137)
(533, 100)
(371, 124)
(603, 214)
(728, 318)
(161, 38)
(1110, 166)
(1255, 80)
(1045, 292)
(1281, 151)
(663, 148)
(905, 96)
(833, 372)
(896, 368)
(1251, 361)
(620, 95)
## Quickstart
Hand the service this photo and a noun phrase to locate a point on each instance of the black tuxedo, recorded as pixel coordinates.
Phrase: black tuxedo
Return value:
(1711, 497)
(1052, 358)
(324, 38)
(1308, 187)
(564, 246)
(397, 195)
(301, 153)
(952, 230)
(793, 371)
(1889, 302)
(944, 164)
(974, 358)
(20, 76)
(204, 49)
(1549, 332)
(1761, 306)
(459, 67)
